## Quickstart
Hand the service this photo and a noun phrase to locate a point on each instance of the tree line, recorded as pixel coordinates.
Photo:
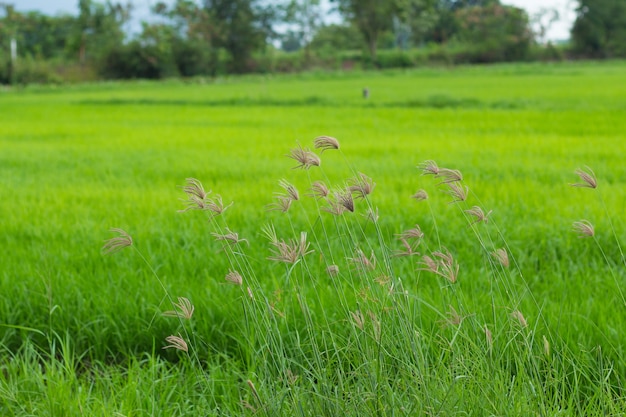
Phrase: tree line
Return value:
(213, 37)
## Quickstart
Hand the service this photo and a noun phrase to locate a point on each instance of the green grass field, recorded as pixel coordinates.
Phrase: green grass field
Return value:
(82, 333)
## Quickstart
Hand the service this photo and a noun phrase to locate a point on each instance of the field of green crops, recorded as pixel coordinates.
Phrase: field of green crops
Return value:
(82, 332)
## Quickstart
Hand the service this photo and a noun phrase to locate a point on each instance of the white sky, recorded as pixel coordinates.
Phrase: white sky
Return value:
(558, 31)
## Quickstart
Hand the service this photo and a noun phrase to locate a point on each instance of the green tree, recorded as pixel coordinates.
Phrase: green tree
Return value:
(241, 27)
(305, 17)
(600, 28)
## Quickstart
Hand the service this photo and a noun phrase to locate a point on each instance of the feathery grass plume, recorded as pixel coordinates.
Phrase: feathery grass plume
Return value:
(325, 143)
(230, 237)
(194, 188)
(319, 190)
(372, 214)
(358, 319)
(454, 318)
(546, 346)
(375, 325)
(420, 195)
(362, 261)
(184, 309)
(414, 235)
(216, 205)
(117, 243)
(334, 206)
(442, 264)
(458, 192)
(234, 277)
(588, 177)
(282, 203)
(176, 342)
(478, 214)
(489, 338)
(292, 192)
(449, 175)
(291, 251)
(361, 185)
(345, 199)
(428, 168)
(517, 315)
(304, 157)
(332, 270)
(584, 228)
(502, 256)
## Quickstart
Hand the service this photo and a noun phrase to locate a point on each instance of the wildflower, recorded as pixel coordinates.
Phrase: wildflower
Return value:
(584, 228)
(305, 157)
(117, 243)
(326, 142)
(185, 309)
(176, 342)
(588, 177)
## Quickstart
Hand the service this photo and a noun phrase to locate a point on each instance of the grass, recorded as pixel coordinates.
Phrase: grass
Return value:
(82, 334)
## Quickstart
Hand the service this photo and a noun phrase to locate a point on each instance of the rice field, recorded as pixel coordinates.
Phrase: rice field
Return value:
(501, 293)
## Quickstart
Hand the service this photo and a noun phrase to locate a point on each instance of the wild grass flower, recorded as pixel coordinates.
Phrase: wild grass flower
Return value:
(361, 185)
(291, 191)
(372, 214)
(345, 199)
(415, 235)
(194, 188)
(304, 157)
(420, 195)
(587, 176)
(428, 168)
(546, 346)
(449, 176)
(584, 228)
(319, 190)
(231, 238)
(291, 251)
(489, 338)
(478, 214)
(519, 317)
(458, 192)
(453, 317)
(176, 342)
(214, 205)
(358, 319)
(117, 243)
(332, 270)
(234, 277)
(184, 309)
(362, 261)
(325, 143)
(334, 206)
(283, 200)
(412, 234)
(375, 325)
(502, 256)
(442, 264)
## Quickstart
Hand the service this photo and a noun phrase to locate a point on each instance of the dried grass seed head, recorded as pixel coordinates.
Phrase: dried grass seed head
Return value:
(345, 199)
(176, 342)
(502, 256)
(420, 195)
(291, 251)
(290, 189)
(361, 185)
(587, 176)
(234, 277)
(442, 263)
(229, 237)
(478, 214)
(449, 175)
(319, 190)
(305, 158)
(584, 228)
(332, 270)
(517, 315)
(428, 168)
(193, 187)
(458, 192)
(117, 243)
(325, 143)
(184, 309)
